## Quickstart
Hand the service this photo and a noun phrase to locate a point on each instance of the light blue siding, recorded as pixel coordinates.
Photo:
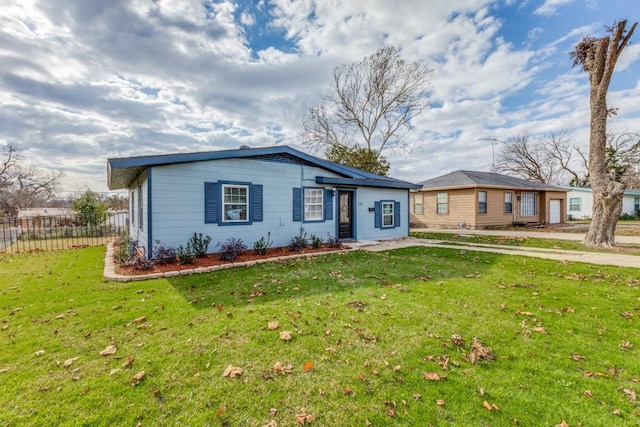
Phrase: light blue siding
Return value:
(365, 221)
(178, 201)
(178, 208)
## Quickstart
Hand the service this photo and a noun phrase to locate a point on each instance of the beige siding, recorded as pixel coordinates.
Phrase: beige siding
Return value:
(463, 208)
(495, 209)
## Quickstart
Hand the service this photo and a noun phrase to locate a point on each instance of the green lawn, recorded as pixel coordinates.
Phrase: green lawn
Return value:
(368, 330)
(528, 242)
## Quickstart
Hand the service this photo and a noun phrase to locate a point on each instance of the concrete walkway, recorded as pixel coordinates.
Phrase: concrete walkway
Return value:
(601, 258)
(525, 233)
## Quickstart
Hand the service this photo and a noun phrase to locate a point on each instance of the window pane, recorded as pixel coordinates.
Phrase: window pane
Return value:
(387, 214)
(313, 204)
(529, 204)
(508, 202)
(482, 202)
(235, 202)
(442, 200)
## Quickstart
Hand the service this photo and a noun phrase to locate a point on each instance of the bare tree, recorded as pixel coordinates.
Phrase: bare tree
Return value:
(598, 57)
(370, 105)
(23, 185)
(548, 159)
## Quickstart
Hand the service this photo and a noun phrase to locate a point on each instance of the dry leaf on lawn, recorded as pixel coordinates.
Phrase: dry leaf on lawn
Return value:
(68, 362)
(109, 350)
(433, 376)
(440, 402)
(304, 418)
(307, 366)
(631, 393)
(273, 325)
(137, 378)
(232, 372)
(285, 336)
(562, 424)
(128, 361)
(140, 319)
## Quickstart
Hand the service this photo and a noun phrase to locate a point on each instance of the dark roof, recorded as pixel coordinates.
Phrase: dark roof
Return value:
(462, 179)
(122, 171)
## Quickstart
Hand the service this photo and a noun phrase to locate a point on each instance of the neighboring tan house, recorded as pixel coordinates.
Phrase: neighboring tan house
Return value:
(580, 202)
(44, 217)
(468, 199)
(252, 193)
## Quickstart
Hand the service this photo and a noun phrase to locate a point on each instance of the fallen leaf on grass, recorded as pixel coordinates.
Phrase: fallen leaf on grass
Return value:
(273, 325)
(271, 423)
(490, 406)
(39, 352)
(524, 313)
(220, 411)
(625, 345)
(540, 329)
(60, 316)
(440, 402)
(307, 366)
(109, 350)
(68, 362)
(128, 361)
(480, 352)
(433, 376)
(631, 393)
(562, 424)
(285, 336)
(304, 418)
(232, 372)
(114, 371)
(588, 393)
(577, 357)
(281, 369)
(137, 378)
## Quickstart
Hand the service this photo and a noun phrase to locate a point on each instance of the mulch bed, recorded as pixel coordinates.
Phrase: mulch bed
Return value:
(214, 259)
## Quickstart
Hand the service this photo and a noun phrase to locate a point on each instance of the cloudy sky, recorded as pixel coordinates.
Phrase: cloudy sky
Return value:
(85, 80)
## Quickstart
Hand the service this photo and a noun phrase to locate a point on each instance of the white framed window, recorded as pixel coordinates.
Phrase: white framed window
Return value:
(482, 202)
(575, 204)
(417, 204)
(235, 203)
(442, 201)
(636, 204)
(313, 204)
(508, 202)
(529, 204)
(387, 214)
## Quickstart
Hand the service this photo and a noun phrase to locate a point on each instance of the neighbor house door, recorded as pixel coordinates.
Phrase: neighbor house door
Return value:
(554, 211)
(345, 214)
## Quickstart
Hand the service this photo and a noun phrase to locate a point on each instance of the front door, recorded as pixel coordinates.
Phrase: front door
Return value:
(345, 214)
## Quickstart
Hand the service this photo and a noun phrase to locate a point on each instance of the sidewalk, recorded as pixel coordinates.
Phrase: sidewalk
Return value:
(528, 233)
(601, 258)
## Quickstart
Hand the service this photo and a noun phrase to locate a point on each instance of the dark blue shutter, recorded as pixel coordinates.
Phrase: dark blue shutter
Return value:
(396, 214)
(328, 205)
(378, 215)
(256, 203)
(210, 202)
(297, 204)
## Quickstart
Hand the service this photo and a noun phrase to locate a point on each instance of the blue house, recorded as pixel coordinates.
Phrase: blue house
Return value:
(248, 193)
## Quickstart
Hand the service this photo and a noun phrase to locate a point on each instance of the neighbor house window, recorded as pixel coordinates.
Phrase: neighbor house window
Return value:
(636, 205)
(235, 203)
(442, 200)
(132, 211)
(417, 204)
(575, 204)
(387, 214)
(529, 204)
(140, 211)
(313, 207)
(482, 202)
(508, 203)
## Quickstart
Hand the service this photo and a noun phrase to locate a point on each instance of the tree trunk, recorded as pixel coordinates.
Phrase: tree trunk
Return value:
(599, 57)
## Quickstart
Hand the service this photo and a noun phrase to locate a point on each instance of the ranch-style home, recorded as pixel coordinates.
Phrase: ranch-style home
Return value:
(580, 202)
(251, 193)
(469, 199)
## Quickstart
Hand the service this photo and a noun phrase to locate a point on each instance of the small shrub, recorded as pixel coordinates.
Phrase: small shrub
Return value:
(232, 249)
(164, 254)
(122, 254)
(333, 241)
(316, 242)
(261, 246)
(299, 243)
(185, 255)
(142, 263)
(626, 217)
(199, 245)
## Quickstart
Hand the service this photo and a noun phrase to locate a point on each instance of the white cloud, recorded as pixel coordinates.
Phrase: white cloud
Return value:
(549, 7)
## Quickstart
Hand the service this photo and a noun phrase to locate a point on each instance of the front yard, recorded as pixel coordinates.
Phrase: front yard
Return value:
(354, 339)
